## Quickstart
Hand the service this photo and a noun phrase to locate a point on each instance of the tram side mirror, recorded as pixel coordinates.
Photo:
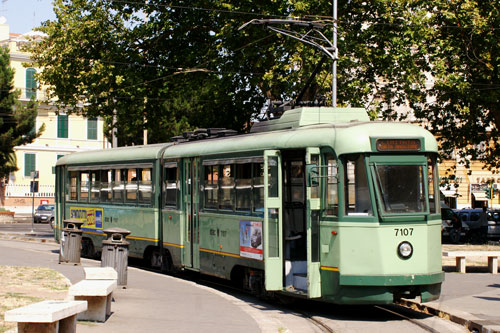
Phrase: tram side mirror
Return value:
(312, 173)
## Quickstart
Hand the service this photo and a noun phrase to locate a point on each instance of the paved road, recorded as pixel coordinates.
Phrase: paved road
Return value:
(156, 302)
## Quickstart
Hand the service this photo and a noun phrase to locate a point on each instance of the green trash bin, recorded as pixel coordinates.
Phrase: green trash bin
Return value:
(71, 242)
(115, 252)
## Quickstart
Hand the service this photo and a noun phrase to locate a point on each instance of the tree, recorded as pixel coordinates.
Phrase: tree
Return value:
(461, 51)
(169, 67)
(17, 121)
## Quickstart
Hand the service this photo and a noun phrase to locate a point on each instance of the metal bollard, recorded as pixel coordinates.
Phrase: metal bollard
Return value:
(115, 253)
(71, 242)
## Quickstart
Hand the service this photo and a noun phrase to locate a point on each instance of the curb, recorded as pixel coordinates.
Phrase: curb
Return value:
(26, 238)
(473, 324)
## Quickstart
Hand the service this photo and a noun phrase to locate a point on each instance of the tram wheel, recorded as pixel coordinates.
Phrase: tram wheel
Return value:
(153, 258)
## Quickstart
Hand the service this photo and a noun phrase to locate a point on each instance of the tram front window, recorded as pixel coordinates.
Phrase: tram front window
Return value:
(401, 188)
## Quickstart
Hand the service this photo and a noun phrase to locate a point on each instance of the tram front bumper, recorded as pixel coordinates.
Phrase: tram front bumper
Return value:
(387, 289)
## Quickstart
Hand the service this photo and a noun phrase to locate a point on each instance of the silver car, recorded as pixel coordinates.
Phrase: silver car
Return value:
(44, 214)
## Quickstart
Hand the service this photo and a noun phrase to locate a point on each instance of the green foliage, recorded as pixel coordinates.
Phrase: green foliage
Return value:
(174, 66)
(17, 121)
(461, 53)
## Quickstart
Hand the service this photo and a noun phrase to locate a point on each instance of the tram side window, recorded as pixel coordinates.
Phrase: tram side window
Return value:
(211, 186)
(131, 186)
(432, 176)
(145, 186)
(73, 185)
(84, 186)
(244, 187)
(171, 188)
(106, 191)
(226, 191)
(332, 199)
(95, 186)
(258, 187)
(118, 185)
(357, 194)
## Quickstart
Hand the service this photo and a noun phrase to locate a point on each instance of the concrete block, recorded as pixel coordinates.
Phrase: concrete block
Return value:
(460, 264)
(45, 311)
(100, 273)
(493, 265)
(47, 316)
(92, 288)
(98, 294)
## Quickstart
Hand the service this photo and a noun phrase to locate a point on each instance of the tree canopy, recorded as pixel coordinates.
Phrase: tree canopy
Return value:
(173, 66)
(17, 121)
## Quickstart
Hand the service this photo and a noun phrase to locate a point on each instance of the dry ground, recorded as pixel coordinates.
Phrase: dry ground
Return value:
(20, 286)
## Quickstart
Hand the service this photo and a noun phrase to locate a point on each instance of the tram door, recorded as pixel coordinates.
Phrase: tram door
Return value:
(273, 221)
(191, 213)
(312, 225)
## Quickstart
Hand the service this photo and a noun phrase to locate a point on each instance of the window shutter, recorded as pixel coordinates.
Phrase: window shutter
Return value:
(29, 164)
(92, 129)
(62, 126)
(30, 83)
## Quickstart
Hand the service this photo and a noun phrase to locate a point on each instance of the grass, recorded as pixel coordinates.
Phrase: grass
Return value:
(21, 286)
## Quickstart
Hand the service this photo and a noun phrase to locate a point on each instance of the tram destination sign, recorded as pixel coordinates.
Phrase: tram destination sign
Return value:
(398, 144)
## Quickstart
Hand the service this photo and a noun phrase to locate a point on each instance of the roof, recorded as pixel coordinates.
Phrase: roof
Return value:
(345, 131)
(122, 154)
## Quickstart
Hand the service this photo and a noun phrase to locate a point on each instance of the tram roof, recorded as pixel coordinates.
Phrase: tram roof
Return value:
(121, 154)
(344, 138)
(346, 132)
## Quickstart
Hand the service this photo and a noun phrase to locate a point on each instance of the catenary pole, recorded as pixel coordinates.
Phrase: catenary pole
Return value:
(336, 54)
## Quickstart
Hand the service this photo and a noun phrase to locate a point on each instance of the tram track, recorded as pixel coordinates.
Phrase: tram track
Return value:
(399, 314)
(399, 311)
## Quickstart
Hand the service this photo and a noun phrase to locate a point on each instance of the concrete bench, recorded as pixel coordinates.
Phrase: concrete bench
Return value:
(97, 293)
(47, 316)
(461, 255)
(100, 273)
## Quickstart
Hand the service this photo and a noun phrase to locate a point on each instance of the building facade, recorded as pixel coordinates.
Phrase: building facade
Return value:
(468, 187)
(63, 134)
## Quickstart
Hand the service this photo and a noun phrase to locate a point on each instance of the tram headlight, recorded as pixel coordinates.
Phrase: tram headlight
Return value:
(405, 250)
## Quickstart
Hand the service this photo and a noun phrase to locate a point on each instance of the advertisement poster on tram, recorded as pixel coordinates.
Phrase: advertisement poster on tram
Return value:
(251, 239)
(92, 217)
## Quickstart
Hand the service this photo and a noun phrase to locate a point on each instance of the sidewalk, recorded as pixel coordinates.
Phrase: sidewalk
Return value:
(151, 302)
(471, 300)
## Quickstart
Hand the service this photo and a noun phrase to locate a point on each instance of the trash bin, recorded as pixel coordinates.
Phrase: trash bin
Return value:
(115, 252)
(71, 241)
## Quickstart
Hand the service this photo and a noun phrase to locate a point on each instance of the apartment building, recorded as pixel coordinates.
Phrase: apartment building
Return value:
(64, 134)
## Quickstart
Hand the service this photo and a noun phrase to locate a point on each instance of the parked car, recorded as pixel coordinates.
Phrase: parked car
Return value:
(494, 224)
(44, 214)
(471, 216)
(452, 228)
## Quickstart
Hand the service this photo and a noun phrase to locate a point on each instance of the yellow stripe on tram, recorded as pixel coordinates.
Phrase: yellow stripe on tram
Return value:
(221, 253)
(327, 268)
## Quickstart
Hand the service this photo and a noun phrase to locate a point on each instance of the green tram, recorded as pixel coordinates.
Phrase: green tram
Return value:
(321, 203)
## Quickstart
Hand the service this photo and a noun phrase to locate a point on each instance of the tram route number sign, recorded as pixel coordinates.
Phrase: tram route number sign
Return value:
(251, 240)
(398, 145)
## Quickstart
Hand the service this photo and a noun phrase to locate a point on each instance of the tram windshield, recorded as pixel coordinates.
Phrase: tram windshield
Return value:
(401, 188)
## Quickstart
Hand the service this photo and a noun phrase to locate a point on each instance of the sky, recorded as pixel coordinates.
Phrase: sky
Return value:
(23, 15)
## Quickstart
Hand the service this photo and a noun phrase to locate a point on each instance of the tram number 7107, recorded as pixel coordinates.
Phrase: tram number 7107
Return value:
(404, 231)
